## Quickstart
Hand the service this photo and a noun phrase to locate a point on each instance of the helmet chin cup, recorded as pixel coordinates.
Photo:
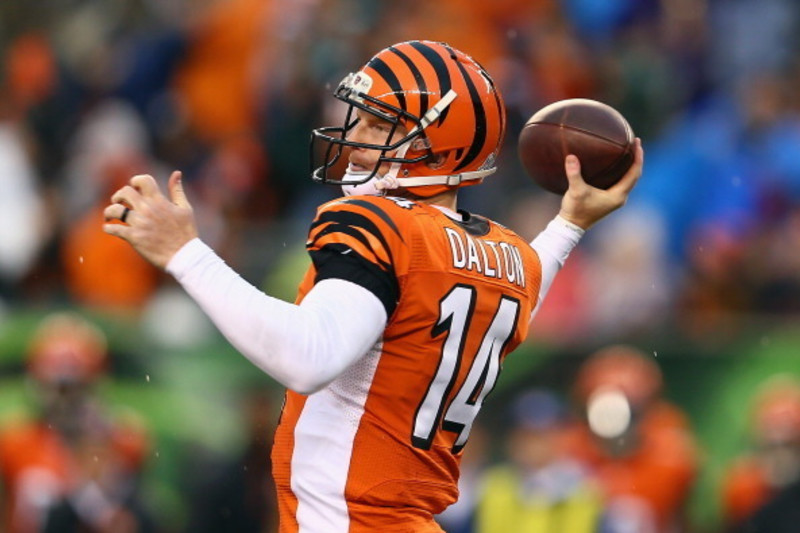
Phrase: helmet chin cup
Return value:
(356, 183)
(375, 186)
(367, 189)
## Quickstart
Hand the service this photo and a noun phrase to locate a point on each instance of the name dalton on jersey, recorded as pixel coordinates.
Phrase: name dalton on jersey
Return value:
(492, 259)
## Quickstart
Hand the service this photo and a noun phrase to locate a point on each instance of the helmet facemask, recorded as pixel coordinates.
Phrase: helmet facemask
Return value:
(336, 138)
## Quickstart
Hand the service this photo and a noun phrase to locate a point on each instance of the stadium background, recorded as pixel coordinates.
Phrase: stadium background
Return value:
(700, 269)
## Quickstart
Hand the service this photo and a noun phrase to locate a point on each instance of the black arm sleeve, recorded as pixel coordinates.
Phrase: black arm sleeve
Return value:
(341, 262)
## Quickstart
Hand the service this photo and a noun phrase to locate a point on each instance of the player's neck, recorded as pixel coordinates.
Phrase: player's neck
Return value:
(446, 199)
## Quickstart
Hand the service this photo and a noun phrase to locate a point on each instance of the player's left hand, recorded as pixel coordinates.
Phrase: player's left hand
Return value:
(155, 226)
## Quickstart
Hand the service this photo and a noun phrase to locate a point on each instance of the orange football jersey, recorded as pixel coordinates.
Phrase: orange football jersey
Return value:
(378, 449)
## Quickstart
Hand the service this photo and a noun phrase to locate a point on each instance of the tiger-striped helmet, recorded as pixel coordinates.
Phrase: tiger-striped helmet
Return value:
(448, 104)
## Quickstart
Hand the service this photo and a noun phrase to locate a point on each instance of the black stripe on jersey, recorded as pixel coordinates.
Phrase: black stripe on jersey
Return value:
(479, 139)
(386, 73)
(359, 236)
(439, 66)
(369, 206)
(348, 224)
(423, 89)
(332, 263)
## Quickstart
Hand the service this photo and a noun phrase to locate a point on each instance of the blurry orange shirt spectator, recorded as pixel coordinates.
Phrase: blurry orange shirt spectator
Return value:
(31, 70)
(217, 80)
(744, 490)
(773, 462)
(467, 26)
(654, 462)
(660, 471)
(102, 271)
(47, 457)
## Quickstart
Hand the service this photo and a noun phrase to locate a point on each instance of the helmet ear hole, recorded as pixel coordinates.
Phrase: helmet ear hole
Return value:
(420, 144)
(438, 160)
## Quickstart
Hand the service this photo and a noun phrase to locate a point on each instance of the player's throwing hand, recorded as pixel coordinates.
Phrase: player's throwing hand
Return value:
(585, 205)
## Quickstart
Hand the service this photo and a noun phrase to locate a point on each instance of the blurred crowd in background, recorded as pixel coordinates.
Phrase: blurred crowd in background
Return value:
(227, 91)
(708, 247)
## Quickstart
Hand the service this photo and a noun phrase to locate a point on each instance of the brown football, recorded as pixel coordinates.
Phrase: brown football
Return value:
(595, 132)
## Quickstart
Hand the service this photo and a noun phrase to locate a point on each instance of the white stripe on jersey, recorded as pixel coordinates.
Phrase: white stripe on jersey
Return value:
(323, 443)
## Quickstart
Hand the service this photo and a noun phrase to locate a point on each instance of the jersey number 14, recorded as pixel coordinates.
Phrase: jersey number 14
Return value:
(455, 315)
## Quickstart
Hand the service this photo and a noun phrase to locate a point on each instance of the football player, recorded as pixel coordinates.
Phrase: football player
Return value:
(410, 306)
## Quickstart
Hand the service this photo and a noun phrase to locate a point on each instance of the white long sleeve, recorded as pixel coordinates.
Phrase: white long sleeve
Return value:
(303, 347)
(553, 245)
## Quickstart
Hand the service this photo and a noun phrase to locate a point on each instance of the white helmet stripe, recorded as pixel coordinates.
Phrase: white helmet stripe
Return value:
(434, 112)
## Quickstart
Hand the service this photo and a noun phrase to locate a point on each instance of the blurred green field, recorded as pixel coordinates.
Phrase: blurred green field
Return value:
(190, 397)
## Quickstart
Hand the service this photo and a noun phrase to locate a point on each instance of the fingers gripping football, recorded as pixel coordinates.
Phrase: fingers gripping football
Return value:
(156, 226)
(585, 205)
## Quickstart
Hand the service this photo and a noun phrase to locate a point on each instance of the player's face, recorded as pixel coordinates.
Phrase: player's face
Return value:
(371, 129)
